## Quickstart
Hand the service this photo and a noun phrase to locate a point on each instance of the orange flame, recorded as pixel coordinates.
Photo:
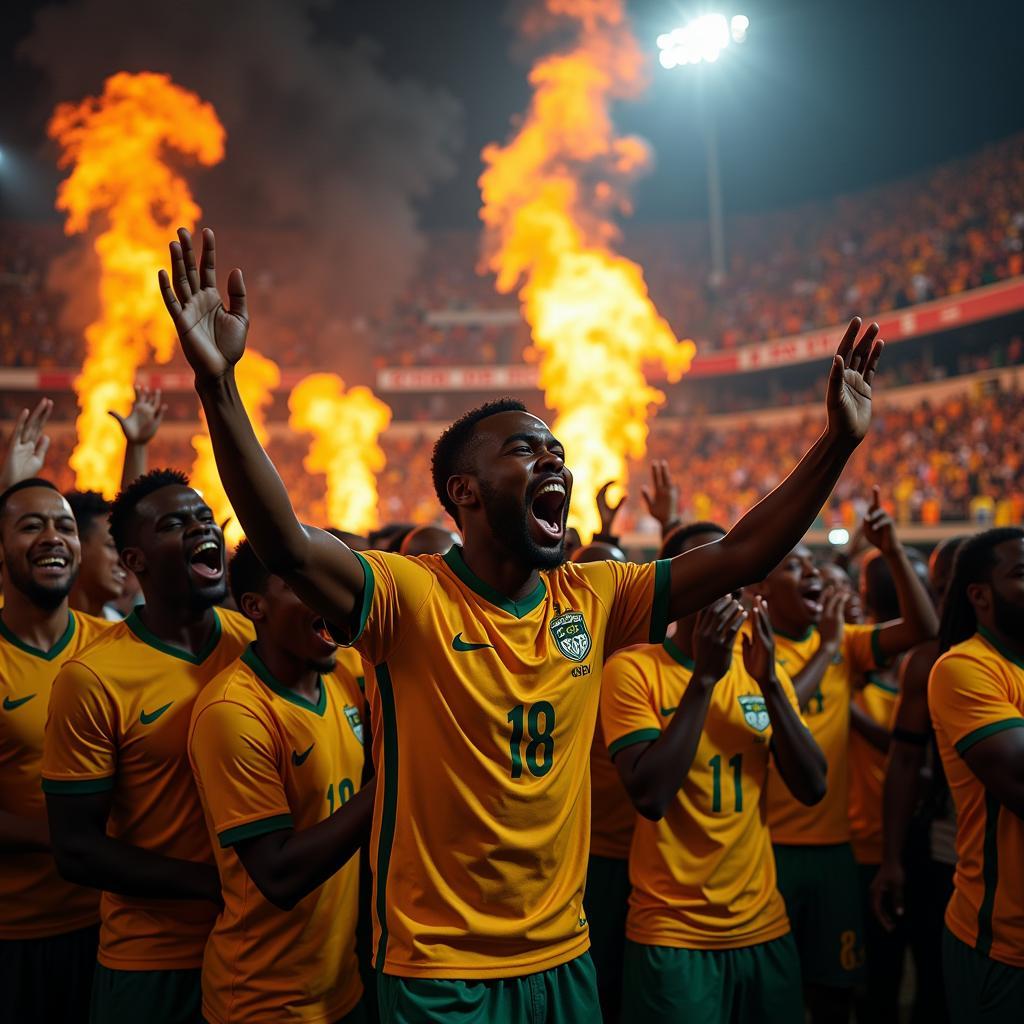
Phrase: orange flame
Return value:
(346, 426)
(117, 145)
(548, 196)
(257, 377)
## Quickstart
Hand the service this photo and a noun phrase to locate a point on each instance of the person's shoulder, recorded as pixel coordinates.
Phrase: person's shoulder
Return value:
(237, 686)
(638, 657)
(235, 624)
(102, 643)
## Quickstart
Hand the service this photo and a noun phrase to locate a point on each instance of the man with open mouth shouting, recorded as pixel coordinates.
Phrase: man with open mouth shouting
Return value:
(124, 812)
(488, 664)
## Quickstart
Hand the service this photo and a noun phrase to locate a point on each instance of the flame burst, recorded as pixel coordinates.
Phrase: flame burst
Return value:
(548, 197)
(117, 146)
(257, 377)
(346, 426)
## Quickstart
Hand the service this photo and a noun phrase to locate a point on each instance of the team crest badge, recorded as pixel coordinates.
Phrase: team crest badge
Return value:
(355, 720)
(570, 633)
(755, 713)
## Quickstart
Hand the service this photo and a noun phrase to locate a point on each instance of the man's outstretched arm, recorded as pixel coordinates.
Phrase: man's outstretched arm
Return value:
(319, 567)
(773, 527)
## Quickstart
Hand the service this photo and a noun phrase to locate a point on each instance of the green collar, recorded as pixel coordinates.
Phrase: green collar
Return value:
(256, 663)
(35, 651)
(806, 635)
(136, 625)
(518, 608)
(676, 654)
(993, 641)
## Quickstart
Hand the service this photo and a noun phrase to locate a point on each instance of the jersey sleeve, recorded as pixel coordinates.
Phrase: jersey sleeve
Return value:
(235, 759)
(637, 600)
(394, 586)
(628, 715)
(80, 741)
(861, 649)
(969, 701)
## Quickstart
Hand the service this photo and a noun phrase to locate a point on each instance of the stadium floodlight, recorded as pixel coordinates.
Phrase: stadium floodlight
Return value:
(702, 41)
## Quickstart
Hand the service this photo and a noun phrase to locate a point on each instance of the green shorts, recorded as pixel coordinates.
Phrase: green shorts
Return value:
(980, 990)
(666, 985)
(606, 903)
(146, 997)
(561, 995)
(821, 887)
(49, 979)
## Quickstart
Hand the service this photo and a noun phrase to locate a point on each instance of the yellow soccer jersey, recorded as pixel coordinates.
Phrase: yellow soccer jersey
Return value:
(118, 720)
(828, 716)
(612, 815)
(483, 716)
(35, 902)
(264, 759)
(867, 771)
(977, 689)
(704, 876)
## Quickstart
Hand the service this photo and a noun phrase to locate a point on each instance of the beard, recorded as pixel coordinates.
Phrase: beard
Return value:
(1007, 616)
(508, 522)
(45, 596)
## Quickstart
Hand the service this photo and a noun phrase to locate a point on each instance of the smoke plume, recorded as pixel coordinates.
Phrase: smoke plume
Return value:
(326, 156)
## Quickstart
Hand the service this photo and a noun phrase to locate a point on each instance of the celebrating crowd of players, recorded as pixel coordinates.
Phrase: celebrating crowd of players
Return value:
(581, 786)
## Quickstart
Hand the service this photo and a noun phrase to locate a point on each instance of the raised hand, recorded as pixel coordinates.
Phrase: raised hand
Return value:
(714, 636)
(878, 527)
(212, 337)
(849, 383)
(142, 423)
(25, 453)
(606, 510)
(833, 618)
(759, 646)
(662, 497)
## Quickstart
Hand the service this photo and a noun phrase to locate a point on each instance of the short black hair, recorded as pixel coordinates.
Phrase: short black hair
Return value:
(246, 573)
(87, 507)
(449, 457)
(974, 562)
(22, 485)
(122, 510)
(676, 540)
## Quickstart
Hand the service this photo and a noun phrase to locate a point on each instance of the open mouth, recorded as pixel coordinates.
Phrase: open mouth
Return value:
(207, 560)
(812, 593)
(548, 509)
(52, 563)
(319, 626)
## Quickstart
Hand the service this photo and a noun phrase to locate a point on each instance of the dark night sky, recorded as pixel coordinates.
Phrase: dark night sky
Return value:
(824, 97)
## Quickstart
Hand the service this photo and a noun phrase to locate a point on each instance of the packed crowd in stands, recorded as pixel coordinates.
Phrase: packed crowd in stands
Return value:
(949, 230)
(951, 460)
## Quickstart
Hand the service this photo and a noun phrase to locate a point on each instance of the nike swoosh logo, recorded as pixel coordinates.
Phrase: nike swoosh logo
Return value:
(148, 718)
(669, 711)
(298, 758)
(10, 705)
(458, 644)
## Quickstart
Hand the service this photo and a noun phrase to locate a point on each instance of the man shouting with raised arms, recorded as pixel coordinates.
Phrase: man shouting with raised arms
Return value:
(488, 668)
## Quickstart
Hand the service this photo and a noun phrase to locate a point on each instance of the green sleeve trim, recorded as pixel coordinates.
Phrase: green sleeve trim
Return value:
(72, 787)
(659, 606)
(632, 738)
(877, 653)
(364, 611)
(251, 829)
(968, 741)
